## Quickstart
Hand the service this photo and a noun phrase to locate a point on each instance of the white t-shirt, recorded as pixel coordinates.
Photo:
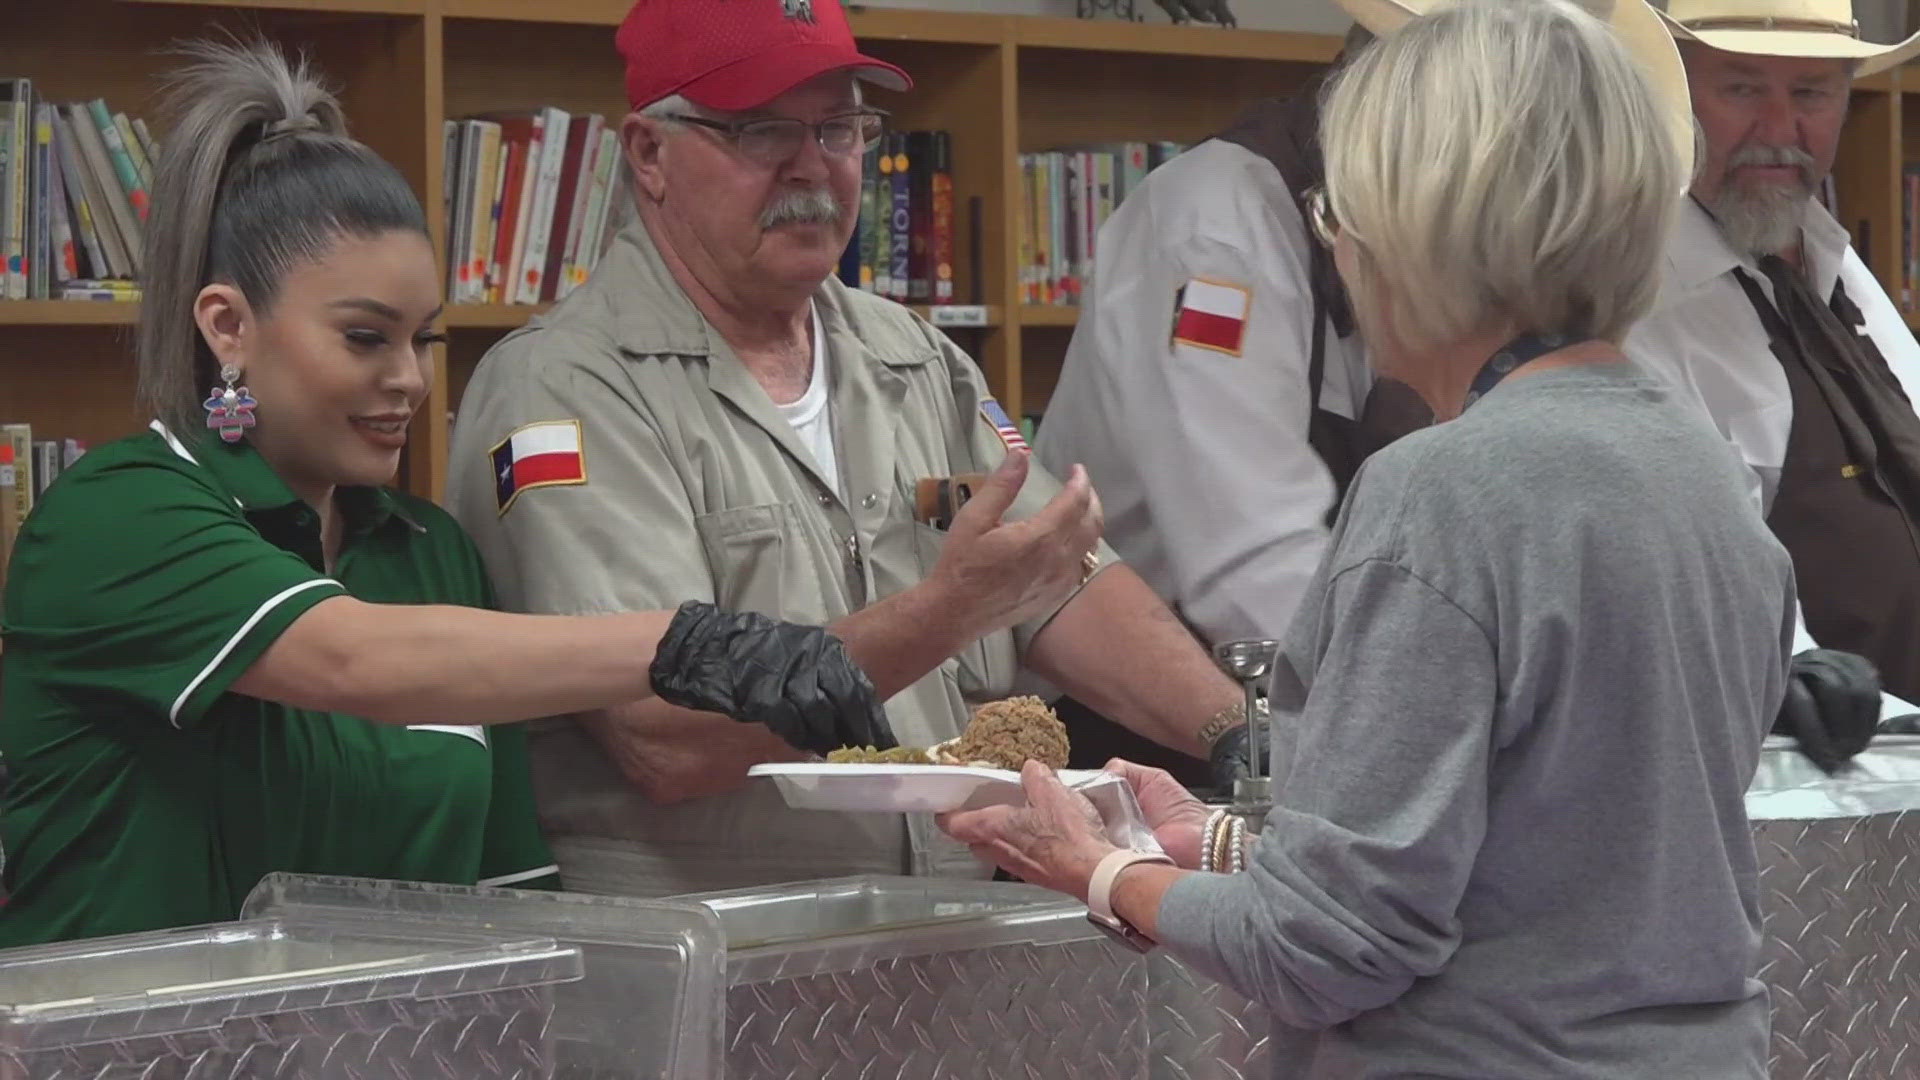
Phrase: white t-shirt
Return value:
(811, 415)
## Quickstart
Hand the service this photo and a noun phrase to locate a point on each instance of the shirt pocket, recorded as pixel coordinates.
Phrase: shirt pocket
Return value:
(747, 548)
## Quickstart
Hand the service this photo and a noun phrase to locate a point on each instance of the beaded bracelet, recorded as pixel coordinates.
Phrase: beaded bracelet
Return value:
(1223, 844)
(1209, 841)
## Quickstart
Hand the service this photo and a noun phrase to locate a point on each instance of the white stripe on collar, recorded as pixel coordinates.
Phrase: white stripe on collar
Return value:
(172, 442)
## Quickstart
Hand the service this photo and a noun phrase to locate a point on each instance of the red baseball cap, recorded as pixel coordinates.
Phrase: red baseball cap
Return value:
(730, 55)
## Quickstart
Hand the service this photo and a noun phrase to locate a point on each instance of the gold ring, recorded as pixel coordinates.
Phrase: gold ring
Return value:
(1088, 564)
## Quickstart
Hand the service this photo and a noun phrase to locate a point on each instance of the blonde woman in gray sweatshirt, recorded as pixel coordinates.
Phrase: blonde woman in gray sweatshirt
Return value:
(1516, 716)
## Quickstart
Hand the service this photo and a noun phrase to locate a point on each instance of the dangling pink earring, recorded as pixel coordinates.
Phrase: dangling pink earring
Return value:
(230, 408)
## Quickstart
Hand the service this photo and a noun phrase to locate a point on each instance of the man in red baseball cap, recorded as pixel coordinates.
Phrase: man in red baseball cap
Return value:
(717, 416)
(731, 55)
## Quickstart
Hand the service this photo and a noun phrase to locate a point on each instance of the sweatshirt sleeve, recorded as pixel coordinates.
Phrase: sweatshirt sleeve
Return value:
(1352, 890)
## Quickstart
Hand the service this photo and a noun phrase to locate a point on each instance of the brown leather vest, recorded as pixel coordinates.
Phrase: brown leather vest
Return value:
(1848, 505)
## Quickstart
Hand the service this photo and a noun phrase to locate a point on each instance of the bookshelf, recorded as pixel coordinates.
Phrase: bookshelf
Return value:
(1000, 84)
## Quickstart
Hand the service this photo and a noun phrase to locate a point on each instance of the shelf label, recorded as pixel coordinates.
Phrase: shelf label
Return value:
(957, 315)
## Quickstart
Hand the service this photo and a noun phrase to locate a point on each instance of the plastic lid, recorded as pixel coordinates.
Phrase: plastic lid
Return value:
(200, 977)
(651, 1003)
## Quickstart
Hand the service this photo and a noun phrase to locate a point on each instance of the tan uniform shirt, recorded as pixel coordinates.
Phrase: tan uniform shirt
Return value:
(695, 488)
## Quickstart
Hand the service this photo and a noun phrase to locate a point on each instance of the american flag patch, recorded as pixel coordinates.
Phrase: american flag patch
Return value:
(1002, 424)
(545, 454)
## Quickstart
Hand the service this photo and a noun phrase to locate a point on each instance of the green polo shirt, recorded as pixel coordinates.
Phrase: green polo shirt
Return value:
(143, 793)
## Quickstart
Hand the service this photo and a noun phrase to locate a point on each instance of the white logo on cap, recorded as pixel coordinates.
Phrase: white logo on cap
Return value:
(798, 9)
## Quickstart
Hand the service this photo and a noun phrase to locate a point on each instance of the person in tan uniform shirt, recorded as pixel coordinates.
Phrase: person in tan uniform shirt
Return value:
(715, 416)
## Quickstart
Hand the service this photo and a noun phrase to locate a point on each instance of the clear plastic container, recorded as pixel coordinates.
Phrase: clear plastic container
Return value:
(649, 1006)
(286, 998)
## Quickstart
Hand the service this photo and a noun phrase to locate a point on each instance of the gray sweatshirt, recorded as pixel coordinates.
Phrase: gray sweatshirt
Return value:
(1516, 716)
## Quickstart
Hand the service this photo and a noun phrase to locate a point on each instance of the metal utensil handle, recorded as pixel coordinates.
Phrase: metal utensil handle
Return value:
(1255, 766)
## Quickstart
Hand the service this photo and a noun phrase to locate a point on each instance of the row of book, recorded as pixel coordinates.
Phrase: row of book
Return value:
(27, 466)
(1067, 196)
(903, 247)
(530, 198)
(73, 193)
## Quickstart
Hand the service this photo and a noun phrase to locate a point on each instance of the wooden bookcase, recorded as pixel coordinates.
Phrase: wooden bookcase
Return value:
(1001, 84)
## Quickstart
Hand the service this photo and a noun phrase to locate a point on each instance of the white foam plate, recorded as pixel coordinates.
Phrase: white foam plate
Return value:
(901, 788)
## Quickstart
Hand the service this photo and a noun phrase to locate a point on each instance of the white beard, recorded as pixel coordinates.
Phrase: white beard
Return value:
(1761, 222)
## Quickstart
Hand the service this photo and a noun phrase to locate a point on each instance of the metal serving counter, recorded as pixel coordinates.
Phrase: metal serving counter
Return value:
(875, 977)
(1840, 870)
(939, 979)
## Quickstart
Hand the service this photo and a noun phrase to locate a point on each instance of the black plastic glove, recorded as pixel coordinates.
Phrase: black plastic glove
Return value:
(1904, 724)
(797, 680)
(1832, 706)
(1232, 756)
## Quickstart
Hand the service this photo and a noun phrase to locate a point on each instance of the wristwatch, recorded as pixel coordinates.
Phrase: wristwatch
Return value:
(1100, 897)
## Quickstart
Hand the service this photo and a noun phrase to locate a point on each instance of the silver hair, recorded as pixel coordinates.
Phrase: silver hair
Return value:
(257, 176)
(1500, 161)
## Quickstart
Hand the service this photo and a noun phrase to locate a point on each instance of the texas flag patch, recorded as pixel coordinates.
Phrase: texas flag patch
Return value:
(546, 454)
(1210, 314)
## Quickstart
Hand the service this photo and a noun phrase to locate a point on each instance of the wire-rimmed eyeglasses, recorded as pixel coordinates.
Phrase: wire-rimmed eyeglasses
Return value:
(1320, 217)
(773, 140)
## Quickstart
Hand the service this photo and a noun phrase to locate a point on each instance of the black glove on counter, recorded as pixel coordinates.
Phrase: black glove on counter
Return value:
(797, 680)
(1832, 706)
(1232, 756)
(1904, 724)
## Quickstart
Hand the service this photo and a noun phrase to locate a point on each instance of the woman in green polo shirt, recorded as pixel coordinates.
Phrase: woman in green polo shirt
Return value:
(230, 650)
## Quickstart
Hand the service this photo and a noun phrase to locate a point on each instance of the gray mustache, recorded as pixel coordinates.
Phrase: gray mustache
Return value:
(1772, 155)
(815, 207)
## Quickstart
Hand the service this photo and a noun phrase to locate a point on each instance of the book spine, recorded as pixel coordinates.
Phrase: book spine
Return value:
(523, 213)
(460, 212)
(869, 217)
(901, 228)
(134, 150)
(147, 145)
(942, 170)
(21, 437)
(483, 272)
(553, 153)
(449, 172)
(920, 216)
(120, 231)
(66, 260)
(9, 513)
(607, 187)
(18, 138)
(576, 185)
(883, 220)
(499, 280)
(77, 197)
(40, 258)
(122, 161)
(486, 164)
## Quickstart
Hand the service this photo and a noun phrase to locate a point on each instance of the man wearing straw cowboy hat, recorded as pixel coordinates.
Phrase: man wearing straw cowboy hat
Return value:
(1770, 320)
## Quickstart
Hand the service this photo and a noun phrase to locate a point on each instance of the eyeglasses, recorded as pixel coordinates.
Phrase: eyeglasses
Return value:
(1320, 216)
(775, 140)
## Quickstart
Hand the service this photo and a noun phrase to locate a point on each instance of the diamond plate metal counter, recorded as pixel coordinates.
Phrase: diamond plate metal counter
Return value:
(1200, 1030)
(1012, 1012)
(1840, 899)
(498, 1035)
